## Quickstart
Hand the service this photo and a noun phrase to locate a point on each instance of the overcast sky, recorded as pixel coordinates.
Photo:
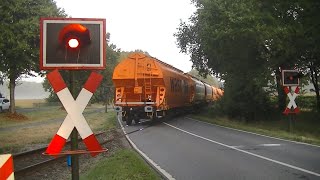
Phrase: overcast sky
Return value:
(148, 25)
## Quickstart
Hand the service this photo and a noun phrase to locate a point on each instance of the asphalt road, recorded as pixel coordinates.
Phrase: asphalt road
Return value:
(184, 148)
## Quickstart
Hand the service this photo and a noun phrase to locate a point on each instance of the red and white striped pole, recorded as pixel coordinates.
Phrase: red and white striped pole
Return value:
(6, 167)
(74, 109)
(292, 97)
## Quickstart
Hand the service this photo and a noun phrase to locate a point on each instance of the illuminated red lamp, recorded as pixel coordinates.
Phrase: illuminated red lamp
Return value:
(74, 36)
(73, 43)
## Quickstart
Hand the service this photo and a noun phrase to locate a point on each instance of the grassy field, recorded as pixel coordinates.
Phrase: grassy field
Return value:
(28, 103)
(38, 114)
(37, 127)
(306, 127)
(21, 138)
(124, 164)
(21, 134)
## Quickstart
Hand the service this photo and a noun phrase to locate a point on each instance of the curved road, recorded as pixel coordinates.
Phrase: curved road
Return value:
(185, 148)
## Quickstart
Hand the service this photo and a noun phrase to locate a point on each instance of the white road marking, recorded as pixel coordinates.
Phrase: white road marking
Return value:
(155, 165)
(264, 145)
(246, 152)
(269, 145)
(240, 146)
(296, 142)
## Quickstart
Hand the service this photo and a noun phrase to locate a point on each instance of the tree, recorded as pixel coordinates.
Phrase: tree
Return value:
(309, 42)
(296, 39)
(251, 42)
(226, 38)
(20, 37)
(208, 79)
(105, 91)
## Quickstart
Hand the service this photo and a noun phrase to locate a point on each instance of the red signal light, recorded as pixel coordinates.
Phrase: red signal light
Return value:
(73, 43)
(74, 36)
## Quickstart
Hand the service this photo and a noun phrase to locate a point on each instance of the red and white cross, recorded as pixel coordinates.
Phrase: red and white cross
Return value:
(292, 97)
(74, 109)
(6, 167)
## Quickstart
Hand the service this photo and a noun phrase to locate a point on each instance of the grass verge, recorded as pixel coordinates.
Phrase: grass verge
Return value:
(38, 115)
(28, 103)
(43, 114)
(306, 128)
(124, 164)
(20, 139)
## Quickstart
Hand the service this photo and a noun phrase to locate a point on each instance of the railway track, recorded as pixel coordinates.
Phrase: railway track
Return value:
(31, 160)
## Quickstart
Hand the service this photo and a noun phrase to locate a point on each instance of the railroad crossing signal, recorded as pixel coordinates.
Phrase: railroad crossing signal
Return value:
(75, 117)
(292, 96)
(290, 77)
(6, 167)
(72, 43)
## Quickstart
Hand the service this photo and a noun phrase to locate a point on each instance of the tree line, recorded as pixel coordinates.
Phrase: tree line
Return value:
(248, 43)
(20, 43)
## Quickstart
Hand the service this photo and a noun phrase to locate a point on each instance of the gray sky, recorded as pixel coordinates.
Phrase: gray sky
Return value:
(139, 24)
(148, 25)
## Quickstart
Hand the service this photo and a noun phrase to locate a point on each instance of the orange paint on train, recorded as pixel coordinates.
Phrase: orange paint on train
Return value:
(145, 82)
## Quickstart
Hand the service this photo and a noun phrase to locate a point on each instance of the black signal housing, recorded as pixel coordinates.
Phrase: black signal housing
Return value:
(72, 43)
(290, 77)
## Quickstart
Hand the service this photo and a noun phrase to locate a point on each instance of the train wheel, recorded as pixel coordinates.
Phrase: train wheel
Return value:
(128, 121)
(136, 120)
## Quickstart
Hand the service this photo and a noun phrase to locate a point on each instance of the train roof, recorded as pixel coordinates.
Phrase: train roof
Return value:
(168, 65)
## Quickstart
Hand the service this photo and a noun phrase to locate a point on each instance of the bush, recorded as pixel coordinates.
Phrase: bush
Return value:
(306, 102)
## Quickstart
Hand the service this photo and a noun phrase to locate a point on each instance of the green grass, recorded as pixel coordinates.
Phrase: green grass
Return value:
(13, 141)
(124, 164)
(42, 114)
(28, 103)
(101, 121)
(306, 126)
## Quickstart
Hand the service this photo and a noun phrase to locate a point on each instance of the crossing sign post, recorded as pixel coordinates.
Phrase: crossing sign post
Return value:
(290, 82)
(74, 108)
(292, 96)
(73, 44)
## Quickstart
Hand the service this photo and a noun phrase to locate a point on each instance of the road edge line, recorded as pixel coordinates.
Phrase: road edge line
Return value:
(287, 140)
(154, 165)
(246, 152)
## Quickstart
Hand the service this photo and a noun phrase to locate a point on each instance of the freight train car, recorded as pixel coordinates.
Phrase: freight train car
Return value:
(146, 87)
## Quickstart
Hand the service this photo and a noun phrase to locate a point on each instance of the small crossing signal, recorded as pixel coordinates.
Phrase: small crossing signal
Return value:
(290, 77)
(72, 43)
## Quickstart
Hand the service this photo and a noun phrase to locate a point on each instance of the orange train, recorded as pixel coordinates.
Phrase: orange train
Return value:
(146, 87)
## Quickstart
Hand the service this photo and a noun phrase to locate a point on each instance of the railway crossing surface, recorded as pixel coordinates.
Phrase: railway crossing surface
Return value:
(185, 148)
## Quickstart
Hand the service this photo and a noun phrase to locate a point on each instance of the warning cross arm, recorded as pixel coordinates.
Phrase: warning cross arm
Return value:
(75, 109)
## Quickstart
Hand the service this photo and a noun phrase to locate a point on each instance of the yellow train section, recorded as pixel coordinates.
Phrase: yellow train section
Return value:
(146, 87)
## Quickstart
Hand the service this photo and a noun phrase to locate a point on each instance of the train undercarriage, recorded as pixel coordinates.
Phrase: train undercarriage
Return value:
(131, 114)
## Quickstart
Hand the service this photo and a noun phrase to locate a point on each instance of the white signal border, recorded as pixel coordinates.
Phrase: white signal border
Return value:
(44, 41)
